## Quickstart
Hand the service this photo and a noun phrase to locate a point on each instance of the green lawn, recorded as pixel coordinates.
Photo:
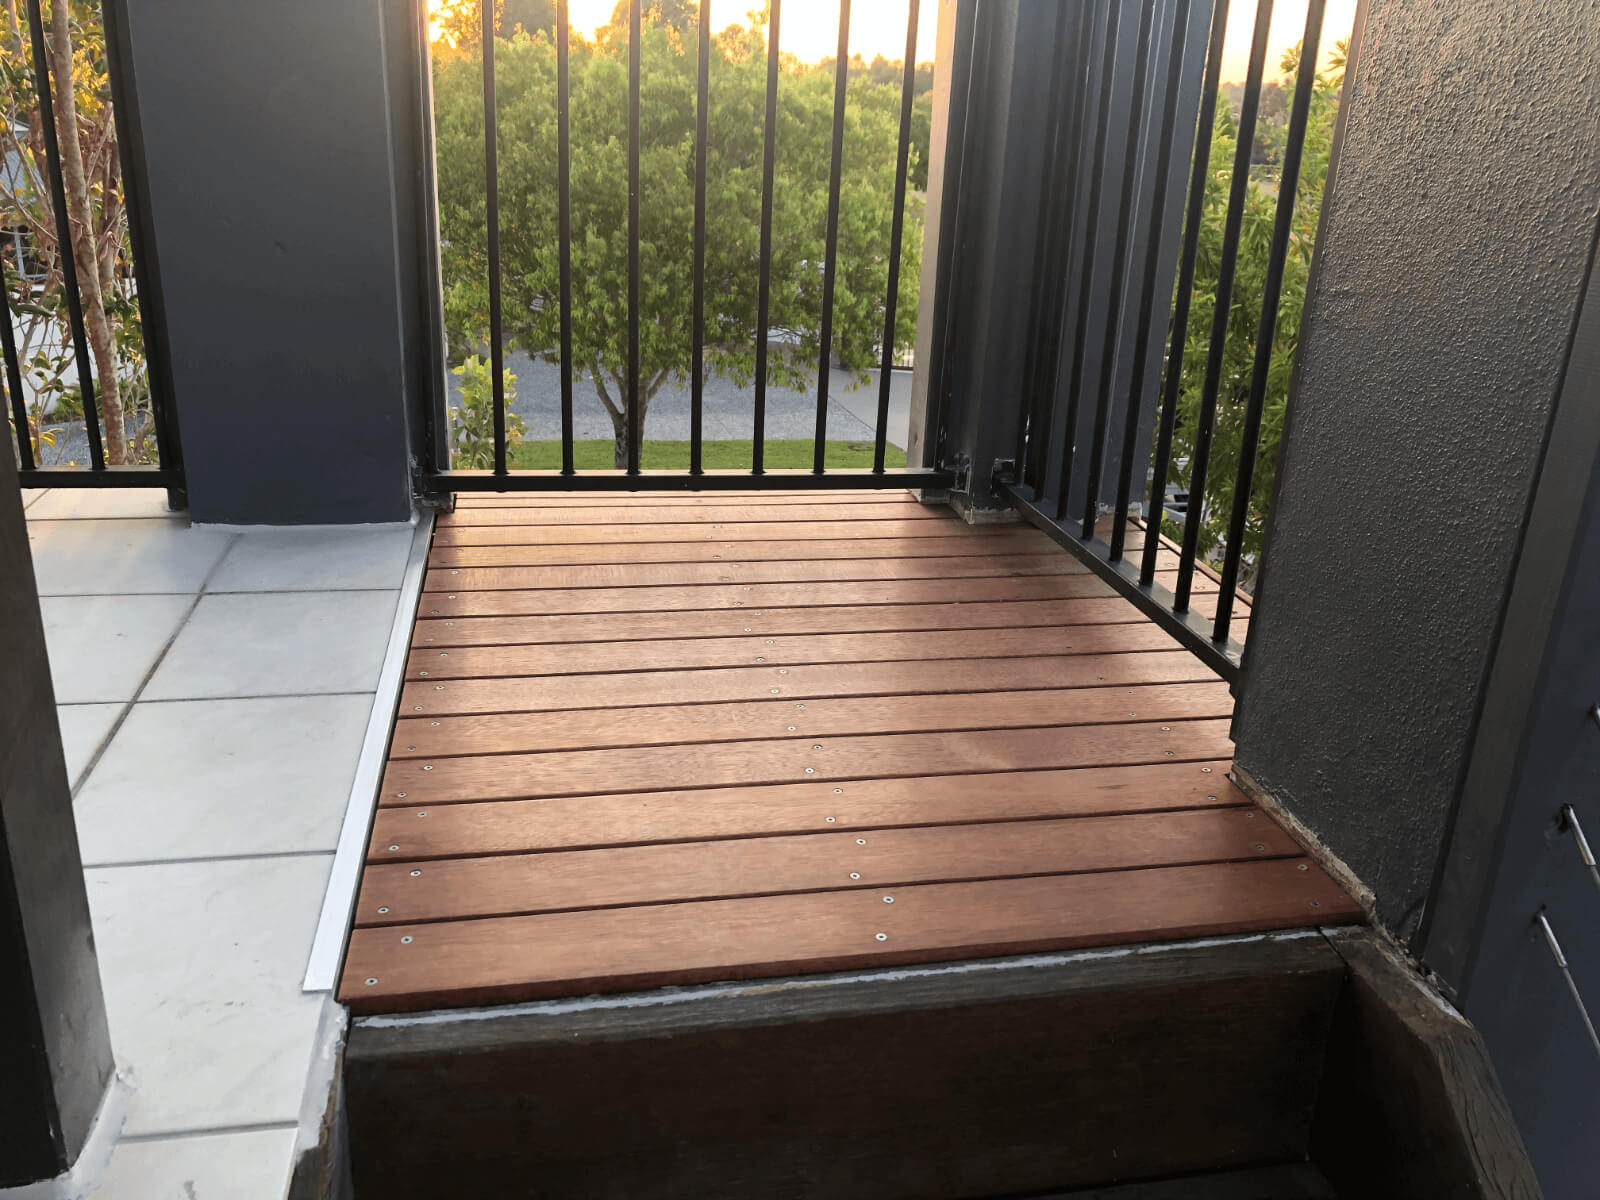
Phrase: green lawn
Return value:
(715, 456)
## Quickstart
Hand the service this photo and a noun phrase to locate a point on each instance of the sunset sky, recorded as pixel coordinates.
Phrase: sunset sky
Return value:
(810, 28)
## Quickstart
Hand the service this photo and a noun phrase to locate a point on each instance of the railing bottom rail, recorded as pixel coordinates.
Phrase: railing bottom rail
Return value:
(682, 481)
(1192, 629)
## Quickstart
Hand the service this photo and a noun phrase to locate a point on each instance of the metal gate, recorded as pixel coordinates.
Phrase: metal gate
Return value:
(37, 178)
(438, 477)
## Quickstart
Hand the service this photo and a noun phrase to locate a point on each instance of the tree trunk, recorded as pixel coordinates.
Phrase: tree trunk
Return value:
(97, 325)
(619, 446)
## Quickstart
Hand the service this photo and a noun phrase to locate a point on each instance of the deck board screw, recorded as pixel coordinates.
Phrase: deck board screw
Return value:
(774, 691)
(1205, 770)
(400, 795)
(1302, 867)
(838, 791)
(818, 746)
(791, 729)
(883, 937)
(406, 941)
(831, 818)
(861, 841)
(414, 874)
(811, 770)
(384, 909)
(888, 899)
(1261, 845)
(855, 874)
(428, 768)
(423, 813)
(1316, 904)
(394, 847)
(421, 672)
(370, 982)
(435, 724)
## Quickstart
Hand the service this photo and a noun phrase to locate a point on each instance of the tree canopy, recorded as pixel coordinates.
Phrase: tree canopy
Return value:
(526, 112)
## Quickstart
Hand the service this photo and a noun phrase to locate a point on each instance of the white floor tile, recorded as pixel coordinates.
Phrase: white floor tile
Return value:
(83, 728)
(197, 778)
(223, 1166)
(32, 496)
(201, 964)
(79, 503)
(108, 557)
(279, 643)
(286, 560)
(102, 646)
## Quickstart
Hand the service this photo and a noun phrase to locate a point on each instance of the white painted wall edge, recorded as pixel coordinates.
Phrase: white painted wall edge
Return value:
(333, 926)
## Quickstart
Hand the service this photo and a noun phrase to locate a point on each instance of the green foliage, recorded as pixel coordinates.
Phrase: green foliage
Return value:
(472, 425)
(526, 88)
(38, 302)
(1245, 312)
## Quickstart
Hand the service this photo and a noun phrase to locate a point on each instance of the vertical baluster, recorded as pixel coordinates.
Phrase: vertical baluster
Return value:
(491, 177)
(697, 353)
(1119, 271)
(1147, 290)
(764, 284)
(564, 221)
(1219, 319)
(8, 340)
(63, 223)
(635, 434)
(1199, 173)
(841, 76)
(1266, 332)
(896, 232)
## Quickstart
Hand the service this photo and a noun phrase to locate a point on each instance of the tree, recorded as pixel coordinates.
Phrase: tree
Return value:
(1248, 293)
(459, 23)
(98, 238)
(526, 97)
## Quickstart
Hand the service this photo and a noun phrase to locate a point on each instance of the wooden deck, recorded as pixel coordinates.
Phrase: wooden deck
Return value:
(650, 740)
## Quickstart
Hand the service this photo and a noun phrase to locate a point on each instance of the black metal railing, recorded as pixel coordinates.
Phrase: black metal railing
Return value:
(1055, 451)
(21, 189)
(502, 477)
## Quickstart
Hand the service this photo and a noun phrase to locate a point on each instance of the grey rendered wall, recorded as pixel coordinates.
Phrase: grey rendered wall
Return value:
(283, 225)
(1453, 251)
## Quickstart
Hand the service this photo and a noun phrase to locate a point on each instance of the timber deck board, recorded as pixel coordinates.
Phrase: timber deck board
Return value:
(650, 740)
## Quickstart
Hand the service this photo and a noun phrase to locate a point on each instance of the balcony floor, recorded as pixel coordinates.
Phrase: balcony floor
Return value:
(649, 740)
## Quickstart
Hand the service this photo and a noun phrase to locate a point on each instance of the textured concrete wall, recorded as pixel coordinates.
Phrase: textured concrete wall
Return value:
(279, 211)
(1450, 268)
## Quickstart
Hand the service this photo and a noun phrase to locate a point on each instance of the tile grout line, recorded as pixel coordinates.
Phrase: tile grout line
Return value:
(155, 665)
(210, 1131)
(207, 858)
(252, 696)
